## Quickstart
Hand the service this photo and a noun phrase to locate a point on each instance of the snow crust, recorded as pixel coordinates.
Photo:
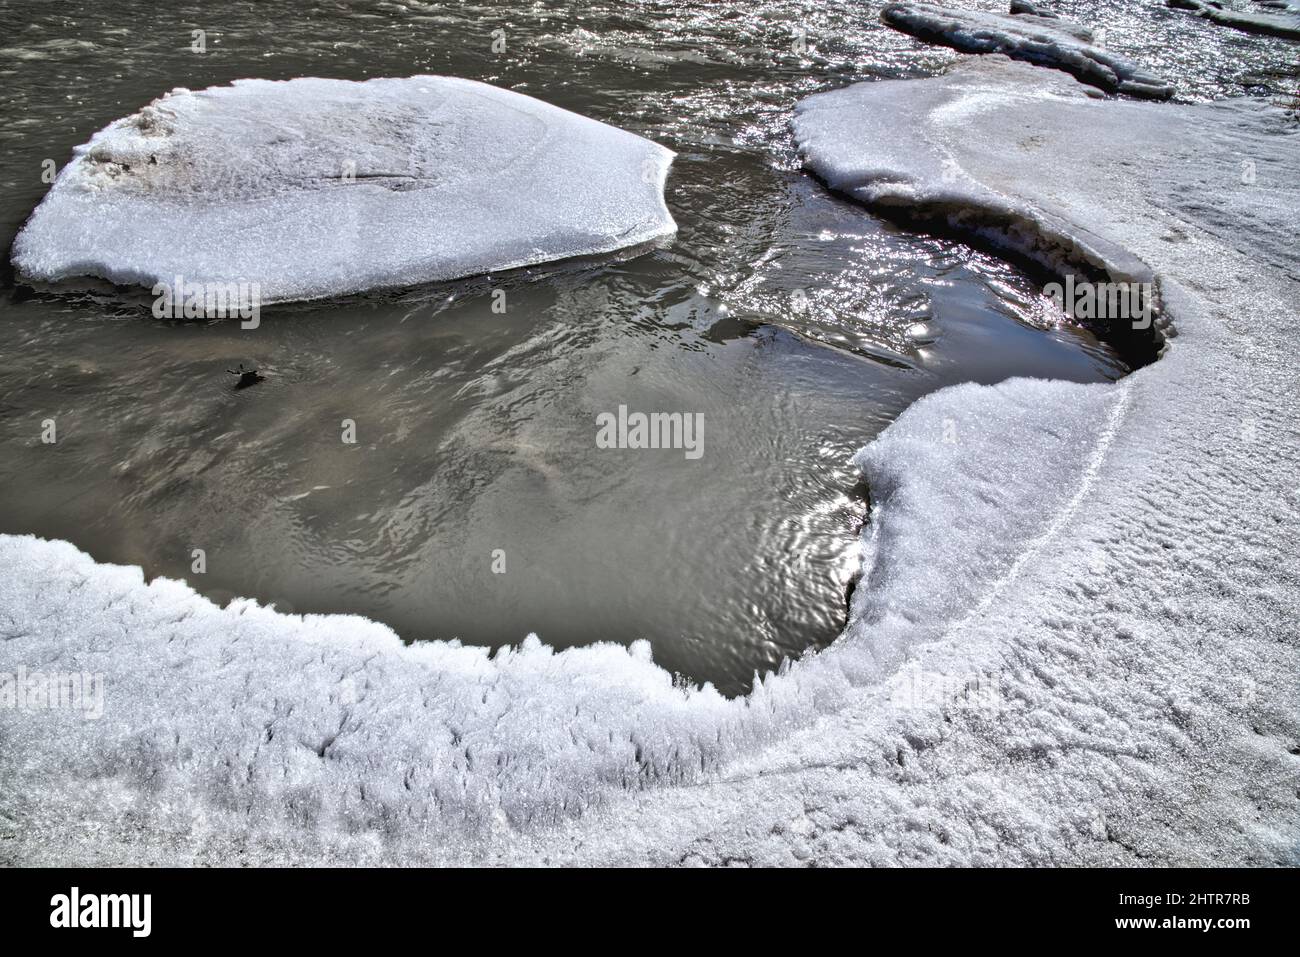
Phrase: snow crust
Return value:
(314, 188)
(1285, 22)
(1031, 36)
(1075, 641)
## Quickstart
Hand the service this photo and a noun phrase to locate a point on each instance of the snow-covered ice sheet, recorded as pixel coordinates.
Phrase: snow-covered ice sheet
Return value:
(1283, 20)
(1076, 641)
(313, 188)
(1030, 36)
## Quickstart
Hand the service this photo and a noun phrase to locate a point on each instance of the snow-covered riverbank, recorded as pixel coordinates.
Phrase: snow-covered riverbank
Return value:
(1100, 670)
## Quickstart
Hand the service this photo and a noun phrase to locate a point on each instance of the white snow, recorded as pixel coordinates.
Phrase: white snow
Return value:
(1076, 642)
(1030, 36)
(1284, 22)
(315, 188)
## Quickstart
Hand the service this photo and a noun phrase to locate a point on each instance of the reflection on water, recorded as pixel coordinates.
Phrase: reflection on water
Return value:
(474, 502)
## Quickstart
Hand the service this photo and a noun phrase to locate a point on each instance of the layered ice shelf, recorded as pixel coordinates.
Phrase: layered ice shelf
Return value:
(313, 188)
(1030, 35)
(1281, 20)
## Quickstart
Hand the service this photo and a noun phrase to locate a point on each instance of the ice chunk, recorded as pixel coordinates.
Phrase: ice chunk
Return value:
(1042, 40)
(1285, 23)
(315, 187)
(1022, 7)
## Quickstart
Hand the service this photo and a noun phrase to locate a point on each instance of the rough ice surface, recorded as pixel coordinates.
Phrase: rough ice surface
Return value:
(1283, 20)
(1020, 6)
(314, 188)
(1031, 36)
(1076, 641)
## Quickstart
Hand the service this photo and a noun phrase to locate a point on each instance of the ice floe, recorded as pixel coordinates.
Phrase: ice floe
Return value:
(1021, 7)
(1283, 22)
(1075, 641)
(1027, 35)
(310, 188)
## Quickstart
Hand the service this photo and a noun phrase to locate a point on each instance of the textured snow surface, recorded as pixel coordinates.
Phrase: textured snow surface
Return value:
(1030, 36)
(1076, 641)
(1283, 20)
(317, 188)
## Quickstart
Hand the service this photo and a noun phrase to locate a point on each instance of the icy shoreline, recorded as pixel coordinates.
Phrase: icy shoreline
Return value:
(1098, 670)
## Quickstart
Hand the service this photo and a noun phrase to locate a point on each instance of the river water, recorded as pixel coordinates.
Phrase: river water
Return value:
(474, 503)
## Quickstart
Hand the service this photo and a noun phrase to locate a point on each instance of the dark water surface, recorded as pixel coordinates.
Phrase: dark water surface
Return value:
(797, 324)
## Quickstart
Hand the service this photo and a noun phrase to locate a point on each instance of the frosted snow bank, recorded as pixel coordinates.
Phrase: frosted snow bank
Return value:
(1076, 642)
(1030, 36)
(1285, 23)
(315, 188)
